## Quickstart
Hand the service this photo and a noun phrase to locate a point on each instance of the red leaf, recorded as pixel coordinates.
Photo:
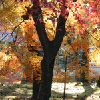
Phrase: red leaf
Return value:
(40, 20)
(94, 30)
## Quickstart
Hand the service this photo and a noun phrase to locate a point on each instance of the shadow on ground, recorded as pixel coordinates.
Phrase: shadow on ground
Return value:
(88, 92)
(16, 91)
(24, 90)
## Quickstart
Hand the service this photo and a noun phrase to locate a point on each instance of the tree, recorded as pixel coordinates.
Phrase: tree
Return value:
(50, 42)
(50, 49)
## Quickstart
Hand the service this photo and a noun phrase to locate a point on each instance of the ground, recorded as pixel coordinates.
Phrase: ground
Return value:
(73, 91)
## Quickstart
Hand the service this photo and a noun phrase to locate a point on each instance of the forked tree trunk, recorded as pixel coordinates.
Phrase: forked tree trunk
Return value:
(50, 49)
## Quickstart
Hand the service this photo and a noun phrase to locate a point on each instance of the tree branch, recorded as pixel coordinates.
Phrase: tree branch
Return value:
(40, 27)
(60, 32)
(11, 32)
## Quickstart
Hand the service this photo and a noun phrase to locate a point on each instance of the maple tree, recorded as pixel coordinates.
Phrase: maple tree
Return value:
(32, 20)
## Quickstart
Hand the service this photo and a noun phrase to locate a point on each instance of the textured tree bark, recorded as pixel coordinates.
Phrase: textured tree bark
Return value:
(46, 80)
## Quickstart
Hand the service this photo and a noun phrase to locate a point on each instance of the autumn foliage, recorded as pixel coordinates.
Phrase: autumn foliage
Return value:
(81, 25)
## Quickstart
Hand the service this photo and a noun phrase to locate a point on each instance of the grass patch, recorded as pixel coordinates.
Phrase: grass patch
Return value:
(23, 86)
(26, 86)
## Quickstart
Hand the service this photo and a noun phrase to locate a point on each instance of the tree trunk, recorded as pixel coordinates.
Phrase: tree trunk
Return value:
(46, 80)
(36, 86)
(84, 61)
(42, 90)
